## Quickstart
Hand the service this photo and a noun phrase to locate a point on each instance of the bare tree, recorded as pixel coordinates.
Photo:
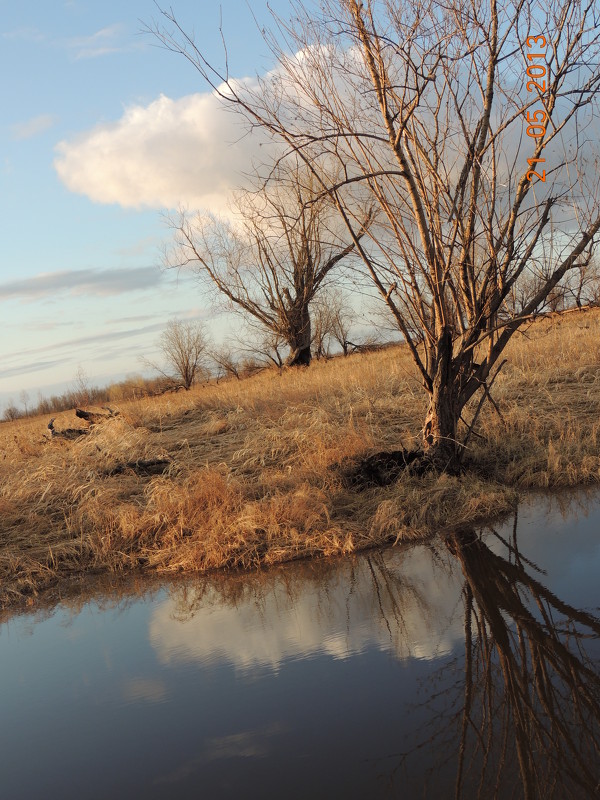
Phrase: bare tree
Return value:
(333, 319)
(184, 346)
(471, 125)
(272, 262)
(321, 327)
(24, 398)
(11, 412)
(82, 391)
(341, 320)
(583, 288)
(268, 350)
(226, 362)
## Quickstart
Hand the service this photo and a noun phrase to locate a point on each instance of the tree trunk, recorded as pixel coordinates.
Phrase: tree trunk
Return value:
(439, 432)
(299, 339)
(299, 357)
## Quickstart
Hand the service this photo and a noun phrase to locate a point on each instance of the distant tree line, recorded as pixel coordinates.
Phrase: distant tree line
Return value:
(84, 394)
(189, 356)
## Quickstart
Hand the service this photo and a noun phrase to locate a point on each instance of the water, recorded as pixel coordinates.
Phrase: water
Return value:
(465, 668)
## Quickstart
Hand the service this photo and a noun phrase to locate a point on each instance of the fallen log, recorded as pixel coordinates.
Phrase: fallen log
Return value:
(95, 417)
(66, 433)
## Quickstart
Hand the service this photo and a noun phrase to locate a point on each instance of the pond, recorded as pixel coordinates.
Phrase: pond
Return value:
(466, 667)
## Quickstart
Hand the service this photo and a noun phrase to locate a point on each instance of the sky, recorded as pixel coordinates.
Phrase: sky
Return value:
(103, 133)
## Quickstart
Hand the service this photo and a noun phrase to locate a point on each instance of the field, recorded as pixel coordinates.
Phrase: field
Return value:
(253, 472)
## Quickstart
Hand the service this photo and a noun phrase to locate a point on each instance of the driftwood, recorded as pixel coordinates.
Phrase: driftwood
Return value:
(91, 417)
(95, 417)
(66, 433)
(174, 389)
(369, 347)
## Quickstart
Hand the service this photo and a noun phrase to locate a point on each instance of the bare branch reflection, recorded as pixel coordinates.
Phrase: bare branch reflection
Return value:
(531, 693)
(375, 595)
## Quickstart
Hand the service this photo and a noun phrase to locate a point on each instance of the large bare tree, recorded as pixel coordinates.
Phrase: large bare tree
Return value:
(272, 258)
(472, 125)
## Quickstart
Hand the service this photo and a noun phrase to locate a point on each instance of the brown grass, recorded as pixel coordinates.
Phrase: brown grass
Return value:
(255, 477)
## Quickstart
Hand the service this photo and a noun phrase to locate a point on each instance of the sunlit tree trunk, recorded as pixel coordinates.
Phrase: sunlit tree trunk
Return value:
(440, 430)
(300, 337)
(439, 433)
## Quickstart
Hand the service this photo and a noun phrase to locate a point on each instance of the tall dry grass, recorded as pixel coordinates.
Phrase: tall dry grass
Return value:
(256, 467)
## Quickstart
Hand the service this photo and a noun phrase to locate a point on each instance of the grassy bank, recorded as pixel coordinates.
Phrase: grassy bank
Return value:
(255, 467)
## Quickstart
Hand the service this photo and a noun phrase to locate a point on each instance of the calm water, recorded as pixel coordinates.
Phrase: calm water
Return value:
(465, 668)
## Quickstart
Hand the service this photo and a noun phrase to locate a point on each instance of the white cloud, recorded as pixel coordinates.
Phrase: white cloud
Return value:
(26, 34)
(189, 152)
(110, 39)
(326, 620)
(32, 127)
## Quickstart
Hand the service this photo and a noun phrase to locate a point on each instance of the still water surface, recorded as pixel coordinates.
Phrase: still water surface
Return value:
(462, 668)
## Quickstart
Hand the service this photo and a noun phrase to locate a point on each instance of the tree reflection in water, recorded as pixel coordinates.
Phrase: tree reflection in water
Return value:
(523, 719)
(369, 599)
(518, 716)
(531, 705)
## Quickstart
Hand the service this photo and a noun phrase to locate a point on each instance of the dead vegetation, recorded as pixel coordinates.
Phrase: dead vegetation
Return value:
(252, 472)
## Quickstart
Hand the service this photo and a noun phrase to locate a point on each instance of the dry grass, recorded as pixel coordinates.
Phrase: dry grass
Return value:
(255, 477)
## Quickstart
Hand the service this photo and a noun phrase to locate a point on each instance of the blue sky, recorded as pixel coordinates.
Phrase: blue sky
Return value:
(103, 131)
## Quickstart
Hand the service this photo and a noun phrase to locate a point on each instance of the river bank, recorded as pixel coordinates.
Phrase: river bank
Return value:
(255, 472)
